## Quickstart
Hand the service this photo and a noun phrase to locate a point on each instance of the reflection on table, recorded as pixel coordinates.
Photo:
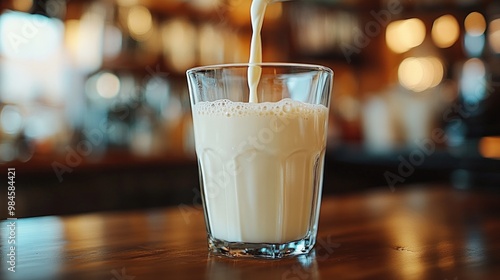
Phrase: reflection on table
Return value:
(416, 232)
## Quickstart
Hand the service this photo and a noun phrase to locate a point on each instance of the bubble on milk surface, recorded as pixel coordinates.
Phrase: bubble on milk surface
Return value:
(284, 108)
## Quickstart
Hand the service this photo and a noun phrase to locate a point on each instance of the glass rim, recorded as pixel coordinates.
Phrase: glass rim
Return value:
(314, 67)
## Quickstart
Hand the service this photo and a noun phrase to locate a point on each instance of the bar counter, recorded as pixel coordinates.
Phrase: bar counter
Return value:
(415, 232)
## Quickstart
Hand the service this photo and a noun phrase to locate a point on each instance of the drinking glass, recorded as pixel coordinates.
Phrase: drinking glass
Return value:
(260, 163)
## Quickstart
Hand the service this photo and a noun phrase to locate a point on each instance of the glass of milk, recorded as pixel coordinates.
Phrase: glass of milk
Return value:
(260, 154)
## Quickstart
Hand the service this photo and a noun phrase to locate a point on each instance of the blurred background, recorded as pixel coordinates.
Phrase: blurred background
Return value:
(94, 108)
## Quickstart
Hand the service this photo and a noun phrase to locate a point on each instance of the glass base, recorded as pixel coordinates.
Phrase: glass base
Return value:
(260, 250)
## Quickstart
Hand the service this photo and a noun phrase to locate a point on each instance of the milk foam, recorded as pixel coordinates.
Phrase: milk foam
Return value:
(284, 108)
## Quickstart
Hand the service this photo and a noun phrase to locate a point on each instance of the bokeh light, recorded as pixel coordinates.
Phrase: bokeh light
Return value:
(206, 5)
(22, 5)
(489, 147)
(475, 24)
(84, 38)
(445, 31)
(108, 85)
(474, 44)
(179, 37)
(473, 80)
(494, 35)
(42, 124)
(420, 73)
(402, 35)
(210, 45)
(30, 36)
(139, 22)
(11, 119)
(126, 3)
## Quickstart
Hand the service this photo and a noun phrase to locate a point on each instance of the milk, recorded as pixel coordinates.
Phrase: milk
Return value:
(257, 11)
(259, 162)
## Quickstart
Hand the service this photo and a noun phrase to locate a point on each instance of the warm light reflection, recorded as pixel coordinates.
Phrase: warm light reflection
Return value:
(71, 36)
(273, 11)
(210, 45)
(238, 11)
(411, 72)
(206, 5)
(349, 107)
(408, 237)
(84, 38)
(238, 46)
(420, 73)
(446, 260)
(437, 71)
(85, 230)
(126, 3)
(139, 22)
(347, 104)
(233, 2)
(475, 24)
(489, 147)
(179, 42)
(402, 35)
(494, 35)
(445, 31)
(22, 5)
(108, 85)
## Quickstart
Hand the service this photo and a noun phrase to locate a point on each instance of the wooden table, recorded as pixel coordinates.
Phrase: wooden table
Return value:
(417, 232)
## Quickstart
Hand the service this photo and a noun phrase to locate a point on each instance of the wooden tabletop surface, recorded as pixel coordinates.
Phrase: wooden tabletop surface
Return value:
(417, 232)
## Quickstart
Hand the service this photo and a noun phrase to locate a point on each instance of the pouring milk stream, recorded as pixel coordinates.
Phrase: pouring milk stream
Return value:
(257, 12)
